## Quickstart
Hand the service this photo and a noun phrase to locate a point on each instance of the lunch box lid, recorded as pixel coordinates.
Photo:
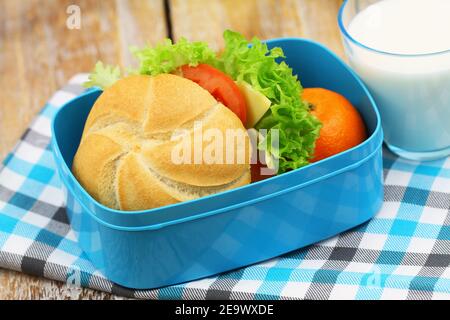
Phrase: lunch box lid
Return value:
(316, 66)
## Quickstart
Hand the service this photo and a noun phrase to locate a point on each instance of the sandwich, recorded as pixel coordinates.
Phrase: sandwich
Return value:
(126, 158)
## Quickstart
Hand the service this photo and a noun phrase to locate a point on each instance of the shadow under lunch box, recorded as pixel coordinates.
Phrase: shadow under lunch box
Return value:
(199, 238)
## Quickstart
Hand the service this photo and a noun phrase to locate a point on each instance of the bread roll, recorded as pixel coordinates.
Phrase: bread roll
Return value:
(125, 157)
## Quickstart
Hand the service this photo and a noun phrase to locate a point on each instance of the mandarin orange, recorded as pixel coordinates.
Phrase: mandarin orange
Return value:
(342, 125)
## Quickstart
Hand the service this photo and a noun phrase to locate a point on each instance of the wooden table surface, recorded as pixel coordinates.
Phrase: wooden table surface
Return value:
(39, 53)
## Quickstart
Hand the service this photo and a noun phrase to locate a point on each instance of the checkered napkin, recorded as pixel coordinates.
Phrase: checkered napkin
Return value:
(403, 253)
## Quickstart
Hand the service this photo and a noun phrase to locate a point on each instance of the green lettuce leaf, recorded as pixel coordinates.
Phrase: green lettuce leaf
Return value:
(167, 56)
(103, 76)
(257, 65)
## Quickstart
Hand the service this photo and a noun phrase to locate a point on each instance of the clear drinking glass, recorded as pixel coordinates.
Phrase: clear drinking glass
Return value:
(412, 91)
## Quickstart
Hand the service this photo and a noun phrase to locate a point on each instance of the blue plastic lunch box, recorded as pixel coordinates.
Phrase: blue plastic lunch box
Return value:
(199, 238)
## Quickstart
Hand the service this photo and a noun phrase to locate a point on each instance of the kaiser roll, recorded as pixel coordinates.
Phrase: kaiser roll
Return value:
(125, 157)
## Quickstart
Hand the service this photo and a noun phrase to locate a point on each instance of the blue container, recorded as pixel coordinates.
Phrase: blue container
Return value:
(221, 232)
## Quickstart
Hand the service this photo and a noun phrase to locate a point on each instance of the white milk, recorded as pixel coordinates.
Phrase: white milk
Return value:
(412, 92)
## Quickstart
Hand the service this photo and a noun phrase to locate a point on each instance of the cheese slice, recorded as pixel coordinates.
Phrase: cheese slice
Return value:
(257, 103)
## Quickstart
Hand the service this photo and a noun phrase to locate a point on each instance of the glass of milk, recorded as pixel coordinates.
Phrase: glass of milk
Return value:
(401, 50)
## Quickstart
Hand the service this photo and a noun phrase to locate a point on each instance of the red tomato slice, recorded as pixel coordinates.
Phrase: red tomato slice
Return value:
(220, 85)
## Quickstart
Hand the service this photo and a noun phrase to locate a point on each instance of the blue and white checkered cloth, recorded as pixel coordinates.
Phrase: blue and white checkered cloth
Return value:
(403, 253)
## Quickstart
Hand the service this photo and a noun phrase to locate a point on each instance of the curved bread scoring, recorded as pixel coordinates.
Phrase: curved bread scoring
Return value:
(124, 157)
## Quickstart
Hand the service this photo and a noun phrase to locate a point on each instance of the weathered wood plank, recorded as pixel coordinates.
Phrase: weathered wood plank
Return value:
(14, 285)
(206, 20)
(38, 53)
